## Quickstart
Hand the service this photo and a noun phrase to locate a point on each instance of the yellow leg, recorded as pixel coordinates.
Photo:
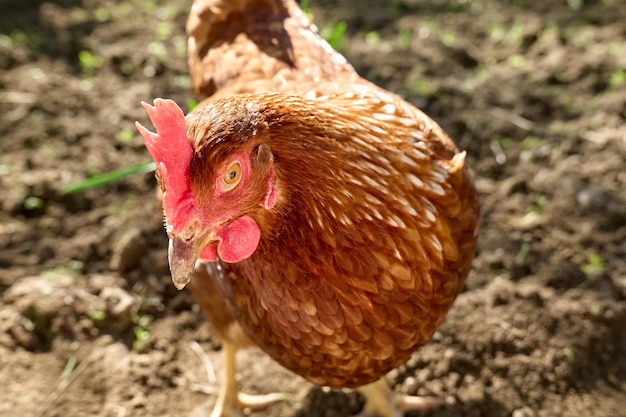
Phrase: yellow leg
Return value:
(381, 401)
(230, 401)
(227, 403)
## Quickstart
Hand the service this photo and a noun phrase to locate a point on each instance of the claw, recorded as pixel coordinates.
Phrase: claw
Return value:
(381, 401)
(230, 402)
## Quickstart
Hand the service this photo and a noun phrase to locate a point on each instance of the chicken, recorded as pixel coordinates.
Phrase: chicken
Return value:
(309, 212)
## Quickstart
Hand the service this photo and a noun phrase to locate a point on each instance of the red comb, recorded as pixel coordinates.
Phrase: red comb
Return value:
(172, 152)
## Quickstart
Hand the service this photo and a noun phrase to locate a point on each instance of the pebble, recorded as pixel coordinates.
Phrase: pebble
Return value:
(118, 301)
(128, 250)
(524, 412)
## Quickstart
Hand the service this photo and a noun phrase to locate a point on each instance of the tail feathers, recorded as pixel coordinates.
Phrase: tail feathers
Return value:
(204, 14)
(245, 46)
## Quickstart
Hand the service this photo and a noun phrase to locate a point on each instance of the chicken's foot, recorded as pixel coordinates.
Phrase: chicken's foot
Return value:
(381, 401)
(230, 402)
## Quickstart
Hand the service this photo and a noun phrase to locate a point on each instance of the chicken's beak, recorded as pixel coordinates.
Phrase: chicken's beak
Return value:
(182, 257)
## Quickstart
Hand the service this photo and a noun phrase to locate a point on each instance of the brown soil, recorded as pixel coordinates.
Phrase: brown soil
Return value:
(90, 324)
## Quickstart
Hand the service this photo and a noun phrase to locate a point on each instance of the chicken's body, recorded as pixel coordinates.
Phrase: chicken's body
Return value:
(356, 218)
(368, 244)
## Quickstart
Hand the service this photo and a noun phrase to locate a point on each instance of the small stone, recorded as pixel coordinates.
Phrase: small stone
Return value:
(118, 301)
(128, 250)
(524, 412)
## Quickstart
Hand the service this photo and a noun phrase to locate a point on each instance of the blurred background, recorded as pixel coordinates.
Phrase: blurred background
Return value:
(90, 323)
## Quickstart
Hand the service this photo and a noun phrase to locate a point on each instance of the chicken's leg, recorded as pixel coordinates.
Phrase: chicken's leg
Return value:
(230, 401)
(381, 401)
(227, 403)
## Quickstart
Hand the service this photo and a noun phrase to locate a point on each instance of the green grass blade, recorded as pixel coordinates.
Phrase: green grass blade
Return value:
(304, 5)
(337, 34)
(109, 177)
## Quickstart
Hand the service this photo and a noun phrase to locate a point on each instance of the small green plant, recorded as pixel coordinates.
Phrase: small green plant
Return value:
(568, 353)
(516, 33)
(504, 141)
(515, 61)
(96, 315)
(157, 50)
(531, 141)
(114, 209)
(523, 253)
(73, 268)
(615, 49)
(579, 34)
(89, 63)
(594, 265)
(373, 37)
(163, 30)
(538, 205)
(34, 203)
(142, 323)
(125, 136)
(423, 88)
(191, 104)
(448, 38)
(69, 367)
(18, 38)
(404, 37)
(496, 32)
(102, 14)
(141, 335)
(617, 77)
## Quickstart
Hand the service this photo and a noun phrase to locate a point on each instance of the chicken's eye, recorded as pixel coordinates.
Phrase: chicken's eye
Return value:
(231, 177)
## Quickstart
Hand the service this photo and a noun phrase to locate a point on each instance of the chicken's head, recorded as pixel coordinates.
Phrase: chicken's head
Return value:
(209, 192)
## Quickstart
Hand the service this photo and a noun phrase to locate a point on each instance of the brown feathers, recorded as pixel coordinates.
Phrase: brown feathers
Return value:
(374, 227)
(362, 255)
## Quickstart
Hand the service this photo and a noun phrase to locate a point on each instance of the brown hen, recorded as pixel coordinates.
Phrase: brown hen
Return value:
(333, 223)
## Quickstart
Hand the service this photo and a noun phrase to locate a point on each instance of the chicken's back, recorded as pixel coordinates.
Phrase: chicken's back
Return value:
(248, 46)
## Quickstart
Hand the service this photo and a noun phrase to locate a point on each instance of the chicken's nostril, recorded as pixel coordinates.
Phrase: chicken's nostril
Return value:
(190, 232)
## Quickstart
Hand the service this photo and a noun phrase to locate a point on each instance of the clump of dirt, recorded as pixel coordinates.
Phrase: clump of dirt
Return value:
(90, 323)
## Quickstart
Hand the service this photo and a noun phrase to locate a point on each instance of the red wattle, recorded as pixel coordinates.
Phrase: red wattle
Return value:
(239, 240)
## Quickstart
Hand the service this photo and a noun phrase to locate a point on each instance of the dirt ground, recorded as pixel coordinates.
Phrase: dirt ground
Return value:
(90, 324)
